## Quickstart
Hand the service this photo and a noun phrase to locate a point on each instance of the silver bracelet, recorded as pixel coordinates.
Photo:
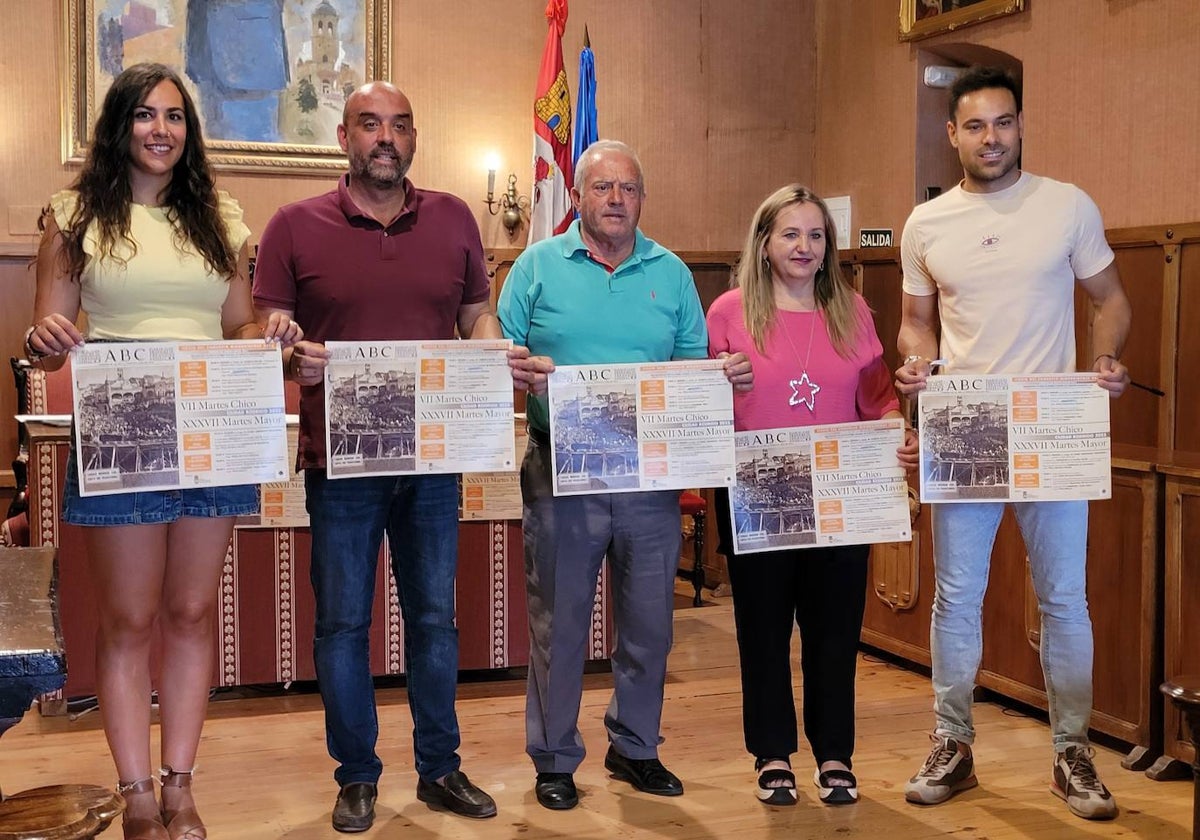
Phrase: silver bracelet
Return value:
(32, 355)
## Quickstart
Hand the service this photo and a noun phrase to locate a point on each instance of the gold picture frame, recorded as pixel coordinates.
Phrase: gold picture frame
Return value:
(269, 128)
(925, 18)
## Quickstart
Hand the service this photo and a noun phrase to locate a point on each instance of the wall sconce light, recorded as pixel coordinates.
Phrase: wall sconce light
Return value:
(512, 204)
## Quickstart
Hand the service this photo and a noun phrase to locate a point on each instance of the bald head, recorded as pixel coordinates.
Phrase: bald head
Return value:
(368, 93)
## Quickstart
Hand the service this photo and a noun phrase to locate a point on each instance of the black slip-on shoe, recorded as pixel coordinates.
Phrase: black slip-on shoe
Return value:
(457, 794)
(354, 810)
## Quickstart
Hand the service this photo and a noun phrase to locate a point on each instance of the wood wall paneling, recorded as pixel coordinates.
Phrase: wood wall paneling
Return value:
(1124, 571)
(881, 279)
(904, 632)
(713, 274)
(1186, 359)
(1182, 598)
(1138, 418)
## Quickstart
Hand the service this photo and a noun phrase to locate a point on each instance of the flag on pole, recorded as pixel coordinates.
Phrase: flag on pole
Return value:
(587, 130)
(553, 170)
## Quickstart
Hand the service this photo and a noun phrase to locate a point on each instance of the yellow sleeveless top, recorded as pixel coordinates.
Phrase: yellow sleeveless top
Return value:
(164, 291)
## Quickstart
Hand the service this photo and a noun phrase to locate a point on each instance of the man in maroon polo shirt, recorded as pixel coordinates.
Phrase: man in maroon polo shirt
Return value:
(378, 259)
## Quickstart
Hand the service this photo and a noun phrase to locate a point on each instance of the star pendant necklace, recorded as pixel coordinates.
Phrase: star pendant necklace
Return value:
(804, 390)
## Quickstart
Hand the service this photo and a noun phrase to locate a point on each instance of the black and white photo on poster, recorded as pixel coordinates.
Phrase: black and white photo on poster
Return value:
(772, 501)
(964, 446)
(128, 435)
(596, 437)
(372, 425)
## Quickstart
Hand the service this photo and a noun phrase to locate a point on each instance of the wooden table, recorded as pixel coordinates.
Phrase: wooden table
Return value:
(1185, 694)
(32, 662)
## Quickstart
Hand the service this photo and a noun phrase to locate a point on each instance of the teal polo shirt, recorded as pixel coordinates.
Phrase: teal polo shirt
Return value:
(559, 302)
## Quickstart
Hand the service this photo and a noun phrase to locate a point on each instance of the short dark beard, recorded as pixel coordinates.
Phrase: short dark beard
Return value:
(360, 169)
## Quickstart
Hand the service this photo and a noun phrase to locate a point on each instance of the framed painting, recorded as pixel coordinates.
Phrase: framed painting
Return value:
(269, 77)
(923, 18)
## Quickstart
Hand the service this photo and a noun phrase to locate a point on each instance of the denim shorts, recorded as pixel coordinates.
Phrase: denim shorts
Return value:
(153, 507)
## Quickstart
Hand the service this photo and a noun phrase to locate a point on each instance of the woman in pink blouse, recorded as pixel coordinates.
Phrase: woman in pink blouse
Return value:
(816, 359)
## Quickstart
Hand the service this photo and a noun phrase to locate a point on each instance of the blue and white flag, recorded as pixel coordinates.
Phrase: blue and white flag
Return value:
(586, 130)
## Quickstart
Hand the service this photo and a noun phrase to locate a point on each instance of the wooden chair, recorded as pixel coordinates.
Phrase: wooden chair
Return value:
(693, 505)
(32, 662)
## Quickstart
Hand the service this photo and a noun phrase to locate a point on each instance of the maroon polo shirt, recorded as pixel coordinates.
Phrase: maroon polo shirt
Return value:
(348, 278)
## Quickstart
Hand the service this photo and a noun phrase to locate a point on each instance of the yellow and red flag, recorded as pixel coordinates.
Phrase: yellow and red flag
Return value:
(553, 172)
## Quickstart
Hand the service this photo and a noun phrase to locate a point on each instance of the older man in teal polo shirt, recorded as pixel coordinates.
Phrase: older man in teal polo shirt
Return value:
(600, 293)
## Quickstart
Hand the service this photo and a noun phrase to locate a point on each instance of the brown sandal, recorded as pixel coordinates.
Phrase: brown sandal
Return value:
(185, 823)
(140, 828)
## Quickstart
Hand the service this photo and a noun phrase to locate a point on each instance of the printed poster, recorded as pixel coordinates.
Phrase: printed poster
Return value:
(1028, 438)
(627, 427)
(834, 484)
(418, 407)
(174, 415)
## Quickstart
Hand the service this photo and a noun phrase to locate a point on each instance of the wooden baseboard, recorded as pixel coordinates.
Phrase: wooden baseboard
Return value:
(1130, 732)
(890, 644)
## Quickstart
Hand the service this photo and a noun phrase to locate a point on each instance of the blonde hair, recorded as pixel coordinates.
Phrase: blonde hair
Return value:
(832, 293)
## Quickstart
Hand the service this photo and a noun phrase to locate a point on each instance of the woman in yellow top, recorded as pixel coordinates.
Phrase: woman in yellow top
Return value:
(146, 245)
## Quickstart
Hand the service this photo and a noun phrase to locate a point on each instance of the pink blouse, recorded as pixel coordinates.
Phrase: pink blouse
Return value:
(857, 388)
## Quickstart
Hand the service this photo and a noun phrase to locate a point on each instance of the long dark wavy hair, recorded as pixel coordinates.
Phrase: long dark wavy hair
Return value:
(103, 185)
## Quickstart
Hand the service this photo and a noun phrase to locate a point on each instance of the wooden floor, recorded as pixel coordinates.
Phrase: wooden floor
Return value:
(264, 772)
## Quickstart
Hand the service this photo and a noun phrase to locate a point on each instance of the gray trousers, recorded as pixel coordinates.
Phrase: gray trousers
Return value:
(566, 539)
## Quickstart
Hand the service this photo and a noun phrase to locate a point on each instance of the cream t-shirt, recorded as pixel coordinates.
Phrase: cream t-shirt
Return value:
(164, 292)
(1004, 266)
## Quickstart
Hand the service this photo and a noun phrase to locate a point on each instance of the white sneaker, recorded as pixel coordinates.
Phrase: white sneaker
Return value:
(1077, 783)
(946, 772)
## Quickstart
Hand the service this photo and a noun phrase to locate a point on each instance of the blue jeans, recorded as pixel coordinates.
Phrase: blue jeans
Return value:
(348, 518)
(153, 507)
(1055, 536)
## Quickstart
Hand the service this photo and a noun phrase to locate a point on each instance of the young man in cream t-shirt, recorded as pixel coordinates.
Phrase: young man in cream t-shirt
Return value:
(996, 260)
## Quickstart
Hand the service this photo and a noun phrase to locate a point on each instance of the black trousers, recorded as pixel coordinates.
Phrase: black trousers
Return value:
(822, 591)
